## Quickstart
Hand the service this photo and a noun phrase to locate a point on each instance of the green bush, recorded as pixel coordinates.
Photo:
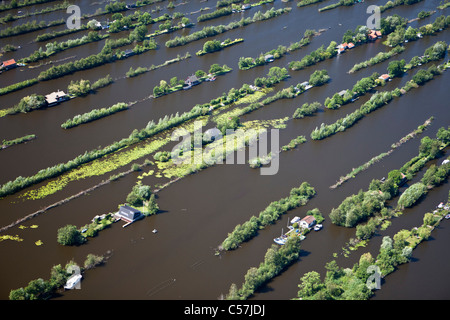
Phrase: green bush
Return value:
(69, 236)
(411, 195)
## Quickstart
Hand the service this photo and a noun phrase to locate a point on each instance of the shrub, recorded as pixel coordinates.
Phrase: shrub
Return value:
(411, 195)
(69, 236)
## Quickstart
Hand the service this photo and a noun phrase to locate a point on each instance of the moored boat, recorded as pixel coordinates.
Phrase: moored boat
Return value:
(73, 281)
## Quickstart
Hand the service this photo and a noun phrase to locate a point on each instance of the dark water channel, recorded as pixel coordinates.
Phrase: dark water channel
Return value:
(198, 212)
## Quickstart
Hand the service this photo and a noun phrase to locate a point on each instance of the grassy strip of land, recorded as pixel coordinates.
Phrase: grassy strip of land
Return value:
(248, 63)
(216, 45)
(361, 206)
(377, 158)
(140, 70)
(94, 115)
(303, 3)
(92, 61)
(176, 85)
(211, 31)
(397, 68)
(378, 58)
(40, 289)
(338, 4)
(29, 27)
(318, 55)
(396, 3)
(7, 143)
(276, 259)
(9, 17)
(54, 48)
(136, 136)
(75, 89)
(356, 283)
(20, 4)
(376, 101)
(298, 196)
(444, 5)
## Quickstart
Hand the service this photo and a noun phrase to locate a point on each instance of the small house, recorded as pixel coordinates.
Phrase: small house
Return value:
(269, 58)
(55, 98)
(342, 92)
(129, 53)
(374, 34)
(9, 64)
(307, 222)
(129, 214)
(384, 77)
(192, 81)
(350, 45)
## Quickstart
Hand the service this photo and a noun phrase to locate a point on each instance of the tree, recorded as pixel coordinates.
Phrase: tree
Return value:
(152, 207)
(318, 78)
(69, 236)
(411, 195)
(92, 261)
(138, 34)
(215, 68)
(396, 68)
(429, 147)
(443, 135)
(310, 285)
(211, 46)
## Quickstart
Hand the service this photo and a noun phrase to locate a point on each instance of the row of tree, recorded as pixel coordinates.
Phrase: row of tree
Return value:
(359, 207)
(298, 196)
(211, 31)
(314, 57)
(376, 101)
(359, 282)
(94, 115)
(40, 289)
(262, 59)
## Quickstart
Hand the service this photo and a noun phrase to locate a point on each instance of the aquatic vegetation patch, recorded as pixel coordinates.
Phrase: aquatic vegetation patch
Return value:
(9, 237)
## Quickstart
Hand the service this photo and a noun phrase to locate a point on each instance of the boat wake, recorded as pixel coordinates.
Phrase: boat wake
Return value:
(159, 287)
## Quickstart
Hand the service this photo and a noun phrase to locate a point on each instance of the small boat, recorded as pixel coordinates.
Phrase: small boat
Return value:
(447, 216)
(155, 231)
(73, 281)
(280, 240)
(317, 227)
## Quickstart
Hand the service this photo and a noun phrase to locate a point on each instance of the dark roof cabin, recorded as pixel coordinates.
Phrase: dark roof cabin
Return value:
(192, 80)
(129, 53)
(129, 214)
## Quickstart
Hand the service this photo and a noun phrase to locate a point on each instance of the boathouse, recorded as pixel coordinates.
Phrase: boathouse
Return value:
(56, 97)
(384, 77)
(192, 81)
(307, 222)
(9, 64)
(129, 214)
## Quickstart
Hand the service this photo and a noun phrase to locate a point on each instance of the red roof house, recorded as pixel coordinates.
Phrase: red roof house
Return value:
(9, 64)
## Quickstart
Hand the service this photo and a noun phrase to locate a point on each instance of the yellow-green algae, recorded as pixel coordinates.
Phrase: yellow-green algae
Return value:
(9, 237)
(105, 164)
(194, 161)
